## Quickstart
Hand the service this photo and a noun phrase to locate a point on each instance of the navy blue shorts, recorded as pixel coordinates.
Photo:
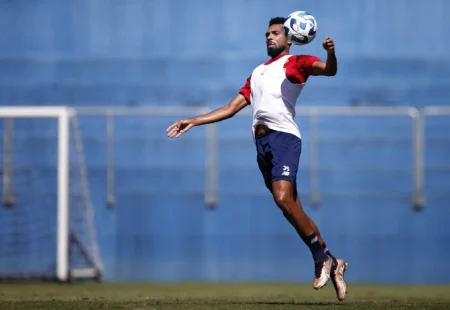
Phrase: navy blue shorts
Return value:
(278, 157)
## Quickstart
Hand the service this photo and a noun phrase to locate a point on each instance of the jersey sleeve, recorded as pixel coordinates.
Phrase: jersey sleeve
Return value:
(304, 64)
(245, 90)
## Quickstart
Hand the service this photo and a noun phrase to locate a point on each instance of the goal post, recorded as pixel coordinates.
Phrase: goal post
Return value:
(64, 236)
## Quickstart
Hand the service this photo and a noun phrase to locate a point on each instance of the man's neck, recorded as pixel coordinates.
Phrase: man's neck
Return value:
(275, 58)
(285, 52)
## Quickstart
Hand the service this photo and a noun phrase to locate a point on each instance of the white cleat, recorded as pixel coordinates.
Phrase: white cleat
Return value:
(322, 272)
(337, 277)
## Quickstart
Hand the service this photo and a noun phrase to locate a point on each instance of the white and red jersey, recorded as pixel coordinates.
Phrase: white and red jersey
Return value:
(273, 89)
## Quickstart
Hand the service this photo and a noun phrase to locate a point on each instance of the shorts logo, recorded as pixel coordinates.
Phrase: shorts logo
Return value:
(286, 171)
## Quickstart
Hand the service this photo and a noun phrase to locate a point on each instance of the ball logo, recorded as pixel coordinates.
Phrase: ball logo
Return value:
(294, 24)
(309, 21)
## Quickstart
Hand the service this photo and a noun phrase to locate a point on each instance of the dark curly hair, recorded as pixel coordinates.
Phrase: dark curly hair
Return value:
(276, 21)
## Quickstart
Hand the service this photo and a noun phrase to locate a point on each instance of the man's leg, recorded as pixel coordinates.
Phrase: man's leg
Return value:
(313, 225)
(281, 153)
(316, 231)
(283, 194)
(339, 265)
(278, 157)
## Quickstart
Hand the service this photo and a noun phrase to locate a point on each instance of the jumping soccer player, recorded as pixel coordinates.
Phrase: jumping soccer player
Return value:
(272, 90)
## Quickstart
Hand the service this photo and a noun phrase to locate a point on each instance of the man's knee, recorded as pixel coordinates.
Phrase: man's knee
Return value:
(285, 195)
(283, 200)
(282, 194)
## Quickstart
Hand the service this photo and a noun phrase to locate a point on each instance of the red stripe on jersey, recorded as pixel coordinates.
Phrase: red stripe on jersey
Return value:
(298, 68)
(245, 90)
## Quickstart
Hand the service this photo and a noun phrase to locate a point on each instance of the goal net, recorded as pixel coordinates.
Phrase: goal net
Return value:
(46, 218)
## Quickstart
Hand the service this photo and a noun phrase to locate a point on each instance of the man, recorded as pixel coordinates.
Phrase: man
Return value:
(272, 90)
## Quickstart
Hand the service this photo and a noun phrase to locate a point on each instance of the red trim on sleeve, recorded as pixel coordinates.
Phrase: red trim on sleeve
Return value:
(304, 63)
(245, 90)
(298, 68)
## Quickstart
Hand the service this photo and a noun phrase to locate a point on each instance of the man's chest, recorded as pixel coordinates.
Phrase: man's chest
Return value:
(268, 77)
(275, 78)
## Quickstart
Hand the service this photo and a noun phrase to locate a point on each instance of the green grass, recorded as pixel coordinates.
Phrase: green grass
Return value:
(218, 296)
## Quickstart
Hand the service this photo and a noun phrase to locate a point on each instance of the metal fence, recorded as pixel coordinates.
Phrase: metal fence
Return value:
(418, 117)
(313, 113)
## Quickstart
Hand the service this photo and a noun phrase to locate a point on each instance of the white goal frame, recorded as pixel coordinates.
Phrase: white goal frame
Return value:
(62, 114)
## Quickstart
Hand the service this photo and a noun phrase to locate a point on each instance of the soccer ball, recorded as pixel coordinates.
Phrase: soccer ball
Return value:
(300, 27)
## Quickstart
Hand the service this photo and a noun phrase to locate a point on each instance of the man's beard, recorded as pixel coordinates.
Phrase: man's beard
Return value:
(275, 51)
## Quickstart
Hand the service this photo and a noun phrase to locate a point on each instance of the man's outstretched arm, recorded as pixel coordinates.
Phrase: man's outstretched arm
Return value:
(225, 112)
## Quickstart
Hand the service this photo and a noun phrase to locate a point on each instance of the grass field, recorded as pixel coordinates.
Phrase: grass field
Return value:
(218, 296)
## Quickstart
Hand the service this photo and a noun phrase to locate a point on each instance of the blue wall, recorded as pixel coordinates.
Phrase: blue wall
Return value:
(169, 52)
(162, 53)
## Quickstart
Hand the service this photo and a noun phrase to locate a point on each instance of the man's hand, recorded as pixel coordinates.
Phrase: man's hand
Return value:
(328, 67)
(179, 128)
(328, 45)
